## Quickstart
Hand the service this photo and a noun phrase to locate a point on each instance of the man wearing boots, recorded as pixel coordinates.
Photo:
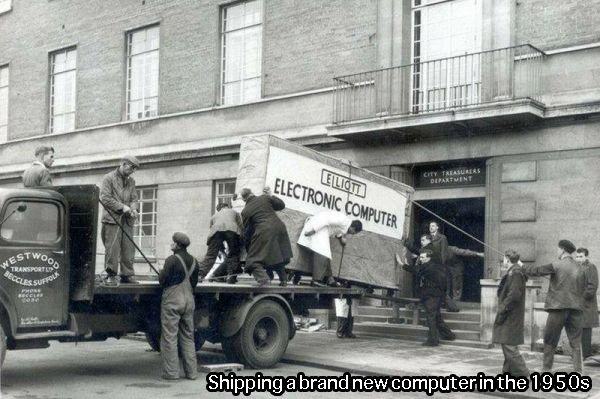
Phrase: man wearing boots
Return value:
(225, 226)
(265, 236)
(563, 303)
(431, 282)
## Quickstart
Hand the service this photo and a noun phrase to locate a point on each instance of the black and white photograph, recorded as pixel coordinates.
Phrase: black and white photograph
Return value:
(299, 199)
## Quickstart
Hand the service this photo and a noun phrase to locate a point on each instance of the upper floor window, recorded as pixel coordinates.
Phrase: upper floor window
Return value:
(241, 52)
(63, 68)
(5, 5)
(224, 191)
(3, 103)
(142, 73)
(144, 231)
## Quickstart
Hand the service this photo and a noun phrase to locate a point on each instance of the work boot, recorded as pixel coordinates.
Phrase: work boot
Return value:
(429, 343)
(231, 279)
(111, 281)
(129, 280)
(261, 276)
(296, 277)
(548, 358)
(280, 270)
(330, 281)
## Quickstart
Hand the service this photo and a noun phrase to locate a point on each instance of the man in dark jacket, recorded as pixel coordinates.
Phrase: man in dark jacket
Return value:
(509, 323)
(265, 236)
(563, 303)
(225, 226)
(178, 278)
(590, 301)
(431, 280)
(38, 174)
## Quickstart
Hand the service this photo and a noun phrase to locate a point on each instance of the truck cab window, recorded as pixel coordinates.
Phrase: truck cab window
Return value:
(38, 223)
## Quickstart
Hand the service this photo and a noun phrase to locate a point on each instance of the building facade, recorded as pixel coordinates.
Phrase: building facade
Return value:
(488, 107)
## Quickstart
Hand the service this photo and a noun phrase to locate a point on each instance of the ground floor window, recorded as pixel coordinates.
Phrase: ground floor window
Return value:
(223, 192)
(144, 232)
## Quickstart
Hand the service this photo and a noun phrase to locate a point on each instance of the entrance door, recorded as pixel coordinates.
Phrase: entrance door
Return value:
(469, 215)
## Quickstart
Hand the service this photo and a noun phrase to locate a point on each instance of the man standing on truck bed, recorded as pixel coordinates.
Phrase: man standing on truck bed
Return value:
(266, 237)
(38, 174)
(119, 197)
(178, 278)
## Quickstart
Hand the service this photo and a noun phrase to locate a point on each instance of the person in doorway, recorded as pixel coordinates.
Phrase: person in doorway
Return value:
(510, 317)
(431, 280)
(439, 242)
(590, 301)
(38, 174)
(119, 198)
(314, 242)
(225, 227)
(563, 303)
(265, 236)
(178, 278)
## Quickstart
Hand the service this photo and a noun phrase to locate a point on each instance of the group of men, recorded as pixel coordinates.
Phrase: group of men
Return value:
(570, 303)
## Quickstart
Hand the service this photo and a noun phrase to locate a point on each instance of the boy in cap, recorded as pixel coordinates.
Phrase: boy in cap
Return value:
(563, 303)
(120, 199)
(178, 278)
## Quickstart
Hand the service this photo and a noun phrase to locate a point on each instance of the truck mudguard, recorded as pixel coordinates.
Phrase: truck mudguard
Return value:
(8, 309)
(233, 318)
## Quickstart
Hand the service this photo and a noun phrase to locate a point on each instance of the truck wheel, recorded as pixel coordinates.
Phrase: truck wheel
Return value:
(153, 338)
(2, 346)
(264, 336)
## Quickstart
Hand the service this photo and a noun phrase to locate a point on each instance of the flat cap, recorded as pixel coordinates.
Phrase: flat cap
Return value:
(181, 238)
(567, 246)
(132, 160)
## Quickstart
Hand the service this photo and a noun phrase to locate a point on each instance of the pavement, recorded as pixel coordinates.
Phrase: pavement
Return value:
(385, 356)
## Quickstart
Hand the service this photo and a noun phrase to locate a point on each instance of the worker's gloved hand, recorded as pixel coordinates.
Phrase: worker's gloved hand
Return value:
(342, 241)
(126, 210)
(481, 254)
(267, 190)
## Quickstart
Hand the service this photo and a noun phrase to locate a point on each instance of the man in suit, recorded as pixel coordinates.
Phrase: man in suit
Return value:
(590, 301)
(509, 323)
(431, 280)
(265, 236)
(225, 226)
(564, 303)
(439, 244)
(38, 174)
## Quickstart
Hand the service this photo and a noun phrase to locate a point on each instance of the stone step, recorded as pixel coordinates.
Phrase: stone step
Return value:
(404, 330)
(465, 315)
(418, 340)
(453, 324)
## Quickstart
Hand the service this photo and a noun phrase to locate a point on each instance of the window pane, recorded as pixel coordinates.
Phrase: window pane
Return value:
(151, 107)
(3, 106)
(136, 89)
(142, 89)
(234, 17)
(251, 90)
(3, 134)
(38, 223)
(3, 76)
(234, 56)
(231, 93)
(145, 229)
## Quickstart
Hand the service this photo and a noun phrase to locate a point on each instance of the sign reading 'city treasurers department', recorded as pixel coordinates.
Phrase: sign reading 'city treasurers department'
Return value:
(466, 174)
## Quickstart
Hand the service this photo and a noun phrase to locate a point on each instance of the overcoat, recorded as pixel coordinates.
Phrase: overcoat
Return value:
(265, 234)
(509, 323)
(439, 244)
(590, 301)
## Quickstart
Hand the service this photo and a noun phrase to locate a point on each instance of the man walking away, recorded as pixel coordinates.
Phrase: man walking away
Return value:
(563, 303)
(119, 196)
(314, 245)
(590, 301)
(509, 323)
(38, 174)
(178, 279)
(225, 226)
(265, 236)
(431, 280)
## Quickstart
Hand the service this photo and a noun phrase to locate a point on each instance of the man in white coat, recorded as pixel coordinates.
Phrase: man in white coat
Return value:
(315, 248)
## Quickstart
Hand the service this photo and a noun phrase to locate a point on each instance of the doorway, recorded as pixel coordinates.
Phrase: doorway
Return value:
(469, 215)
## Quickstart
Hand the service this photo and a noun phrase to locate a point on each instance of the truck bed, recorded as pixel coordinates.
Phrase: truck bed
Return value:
(244, 287)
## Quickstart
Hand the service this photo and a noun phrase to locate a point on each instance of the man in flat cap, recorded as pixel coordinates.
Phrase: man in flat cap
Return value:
(119, 197)
(564, 303)
(178, 278)
(38, 174)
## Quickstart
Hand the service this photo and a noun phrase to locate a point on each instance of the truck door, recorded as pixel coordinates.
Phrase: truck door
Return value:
(34, 260)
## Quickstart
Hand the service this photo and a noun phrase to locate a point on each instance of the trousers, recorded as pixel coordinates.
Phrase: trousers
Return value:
(437, 327)
(231, 264)
(571, 320)
(586, 342)
(119, 250)
(513, 361)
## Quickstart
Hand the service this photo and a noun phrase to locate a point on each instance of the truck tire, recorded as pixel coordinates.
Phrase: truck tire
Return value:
(153, 339)
(2, 345)
(264, 336)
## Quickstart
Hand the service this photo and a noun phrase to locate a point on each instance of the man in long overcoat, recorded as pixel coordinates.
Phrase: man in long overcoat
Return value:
(590, 301)
(439, 244)
(509, 323)
(266, 237)
(564, 304)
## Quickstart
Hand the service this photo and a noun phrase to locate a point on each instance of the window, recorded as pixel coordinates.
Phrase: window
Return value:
(5, 5)
(3, 103)
(142, 73)
(241, 52)
(224, 191)
(39, 222)
(63, 66)
(442, 30)
(144, 232)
